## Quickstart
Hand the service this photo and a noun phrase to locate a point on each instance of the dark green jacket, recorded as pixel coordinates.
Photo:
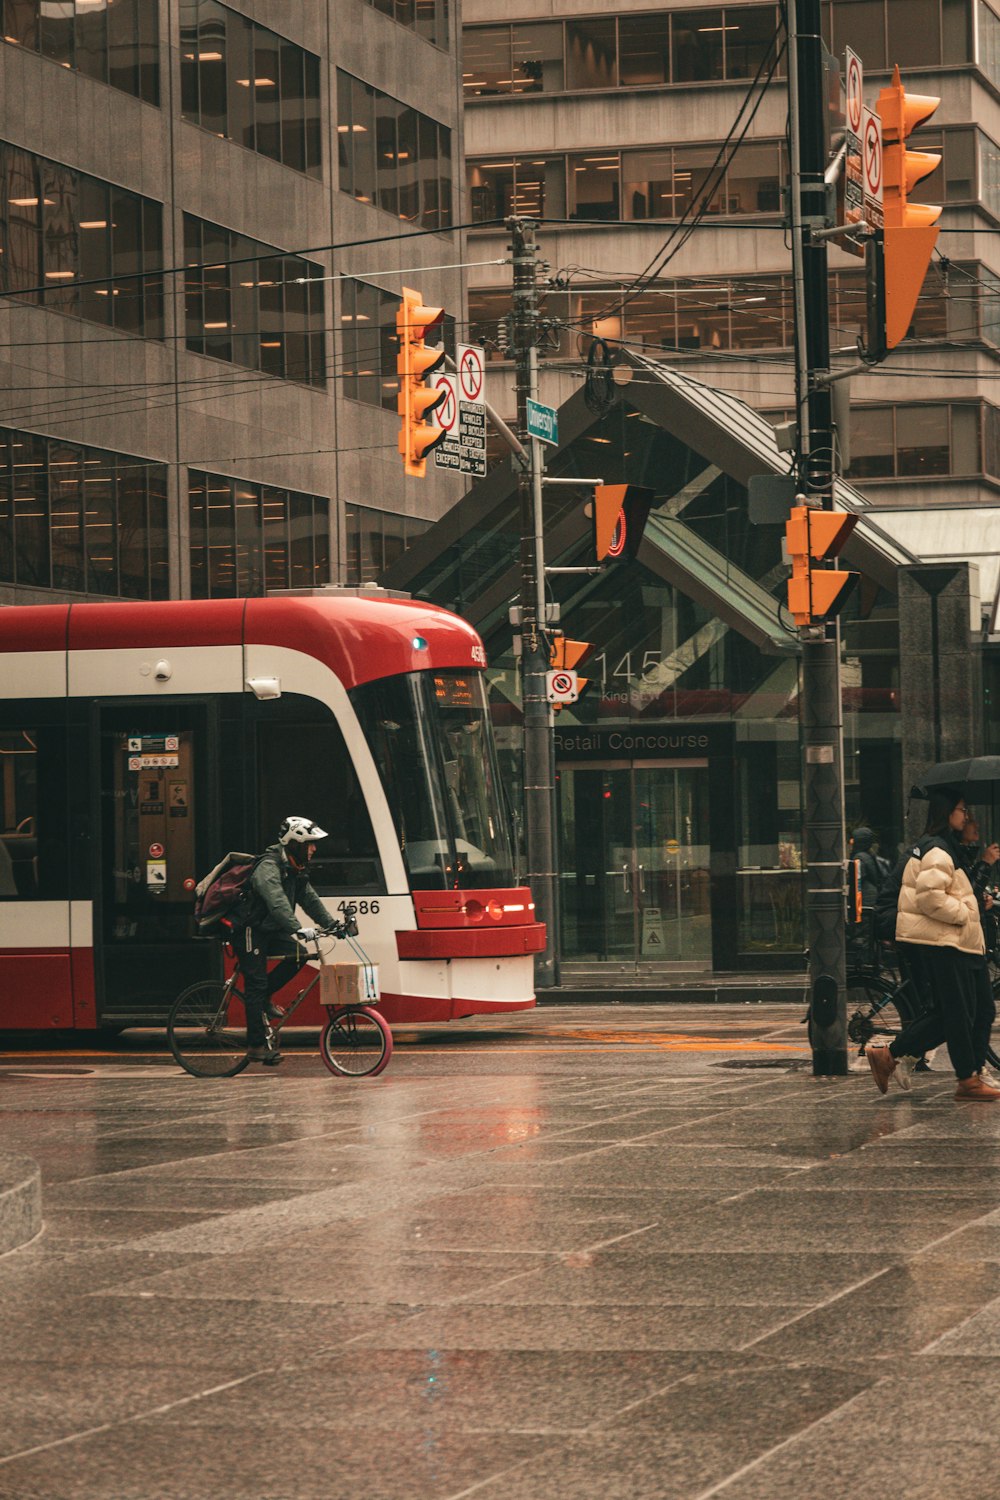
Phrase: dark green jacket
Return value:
(276, 890)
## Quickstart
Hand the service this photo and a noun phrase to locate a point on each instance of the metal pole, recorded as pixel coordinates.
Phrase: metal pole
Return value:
(822, 730)
(539, 775)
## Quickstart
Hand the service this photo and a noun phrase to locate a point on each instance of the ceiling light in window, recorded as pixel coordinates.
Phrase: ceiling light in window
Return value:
(93, 223)
(59, 275)
(24, 202)
(344, 129)
(260, 83)
(703, 30)
(270, 344)
(209, 56)
(215, 325)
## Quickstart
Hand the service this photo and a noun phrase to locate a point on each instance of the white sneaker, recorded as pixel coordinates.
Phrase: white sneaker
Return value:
(903, 1073)
(989, 1077)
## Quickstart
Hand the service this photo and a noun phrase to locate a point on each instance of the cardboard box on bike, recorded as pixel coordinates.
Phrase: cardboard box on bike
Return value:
(349, 984)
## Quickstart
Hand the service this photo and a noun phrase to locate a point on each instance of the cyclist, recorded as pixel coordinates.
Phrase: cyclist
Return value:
(267, 921)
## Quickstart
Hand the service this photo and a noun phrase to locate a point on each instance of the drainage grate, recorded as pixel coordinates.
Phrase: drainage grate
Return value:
(786, 1064)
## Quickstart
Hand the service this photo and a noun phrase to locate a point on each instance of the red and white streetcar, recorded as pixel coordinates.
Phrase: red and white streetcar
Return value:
(139, 741)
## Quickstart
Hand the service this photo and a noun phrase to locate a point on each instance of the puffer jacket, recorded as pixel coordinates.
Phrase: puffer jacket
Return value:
(937, 905)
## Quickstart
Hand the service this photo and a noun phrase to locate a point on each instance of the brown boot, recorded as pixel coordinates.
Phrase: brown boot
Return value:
(882, 1064)
(975, 1088)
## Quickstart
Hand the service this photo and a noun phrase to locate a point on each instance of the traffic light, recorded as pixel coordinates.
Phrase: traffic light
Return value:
(815, 536)
(620, 514)
(909, 228)
(415, 362)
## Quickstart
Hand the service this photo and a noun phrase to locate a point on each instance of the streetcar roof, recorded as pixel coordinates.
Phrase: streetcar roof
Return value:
(360, 639)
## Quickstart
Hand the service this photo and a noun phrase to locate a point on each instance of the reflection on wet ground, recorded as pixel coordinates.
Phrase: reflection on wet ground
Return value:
(570, 1256)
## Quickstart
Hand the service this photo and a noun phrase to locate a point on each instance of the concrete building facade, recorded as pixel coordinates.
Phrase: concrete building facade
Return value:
(205, 214)
(600, 119)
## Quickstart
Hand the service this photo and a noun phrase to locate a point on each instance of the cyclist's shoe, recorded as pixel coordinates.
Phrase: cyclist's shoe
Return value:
(902, 1074)
(270, 1056)
(274, 1012)
(974, 1088)
(882, 1064)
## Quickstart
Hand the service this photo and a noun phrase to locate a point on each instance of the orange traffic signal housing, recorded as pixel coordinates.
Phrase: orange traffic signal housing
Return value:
(817, 594)
(909, 228)
(620, 515)
(565, 655)
(416, 401)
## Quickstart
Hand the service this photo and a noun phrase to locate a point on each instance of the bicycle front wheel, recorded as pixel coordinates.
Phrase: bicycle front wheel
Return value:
(356, 1043)
(201, 1033)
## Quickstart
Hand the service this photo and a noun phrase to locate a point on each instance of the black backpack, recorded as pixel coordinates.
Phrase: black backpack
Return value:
(223, 889)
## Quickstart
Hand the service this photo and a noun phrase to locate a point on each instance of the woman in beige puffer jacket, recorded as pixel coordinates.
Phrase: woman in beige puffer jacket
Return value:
(939, 929)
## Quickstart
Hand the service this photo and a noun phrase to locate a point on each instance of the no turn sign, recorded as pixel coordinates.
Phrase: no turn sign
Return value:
(855, 92)
(447, 413)
(872, 167)
(471, 372)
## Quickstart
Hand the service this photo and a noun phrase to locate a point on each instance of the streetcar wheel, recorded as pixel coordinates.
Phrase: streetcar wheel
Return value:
(356, 1043)
(201, 1035)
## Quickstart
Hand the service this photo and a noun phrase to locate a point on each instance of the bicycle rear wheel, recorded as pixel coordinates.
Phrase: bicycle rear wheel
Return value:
(356, 1043)
(875, 1007)
(200, 1032)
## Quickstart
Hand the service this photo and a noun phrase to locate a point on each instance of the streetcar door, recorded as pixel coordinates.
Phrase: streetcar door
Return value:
(155, 842)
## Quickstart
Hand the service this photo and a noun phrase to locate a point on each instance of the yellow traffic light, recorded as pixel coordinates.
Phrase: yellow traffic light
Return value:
(414, 363)
(620, 515)
(817, 594)
(909, 228)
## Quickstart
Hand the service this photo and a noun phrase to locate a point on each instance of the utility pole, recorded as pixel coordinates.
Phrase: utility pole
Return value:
(822, 730)
(539, 752)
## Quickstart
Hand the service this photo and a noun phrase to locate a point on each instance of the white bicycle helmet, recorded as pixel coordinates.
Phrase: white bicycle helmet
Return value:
(300, 831)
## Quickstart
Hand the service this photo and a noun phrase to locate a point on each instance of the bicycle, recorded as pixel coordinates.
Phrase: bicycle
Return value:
(207, 1040)
(893, 1004)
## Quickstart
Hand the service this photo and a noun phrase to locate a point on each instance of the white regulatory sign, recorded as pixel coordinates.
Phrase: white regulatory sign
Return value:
(873, 156)
(855, 92)
(562, 686)
(471, 371)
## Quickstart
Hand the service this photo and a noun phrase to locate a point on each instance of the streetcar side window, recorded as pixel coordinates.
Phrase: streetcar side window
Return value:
(32, 814)
(306, 769)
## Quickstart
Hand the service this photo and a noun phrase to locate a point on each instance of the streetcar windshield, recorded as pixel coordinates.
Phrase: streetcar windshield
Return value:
(432, 739)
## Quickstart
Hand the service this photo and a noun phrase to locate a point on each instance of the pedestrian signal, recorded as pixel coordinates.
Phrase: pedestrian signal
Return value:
(814, 536)
(620, 515)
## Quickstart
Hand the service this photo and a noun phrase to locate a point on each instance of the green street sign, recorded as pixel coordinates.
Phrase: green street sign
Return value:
(543, 423)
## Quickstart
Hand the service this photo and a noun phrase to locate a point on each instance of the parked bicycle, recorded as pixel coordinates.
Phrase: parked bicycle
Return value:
(206, 1029)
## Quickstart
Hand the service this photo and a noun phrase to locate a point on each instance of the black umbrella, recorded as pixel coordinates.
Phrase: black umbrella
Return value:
(976, 773)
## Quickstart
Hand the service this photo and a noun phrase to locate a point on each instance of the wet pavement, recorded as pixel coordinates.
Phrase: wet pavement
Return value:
(578, 1254)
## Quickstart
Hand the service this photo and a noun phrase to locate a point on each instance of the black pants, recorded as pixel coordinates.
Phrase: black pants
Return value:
(251, 948)
(963, 1012)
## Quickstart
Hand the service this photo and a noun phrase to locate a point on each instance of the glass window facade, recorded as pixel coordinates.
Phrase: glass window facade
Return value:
(248, 538)
(369, 345)
(375, 539)
(81, 519)
(393, 156)
(912, 33)
(921, 441)
(253, 305)
(428, 18)
(115, 41)
(244, 82)
(59, 227)
(608, 52)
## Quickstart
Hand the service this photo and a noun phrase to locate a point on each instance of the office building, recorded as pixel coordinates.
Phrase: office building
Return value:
(204, 213)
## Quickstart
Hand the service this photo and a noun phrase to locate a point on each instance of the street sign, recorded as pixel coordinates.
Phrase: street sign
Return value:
(470, 360)
(873, 168)
(854, 204)
(562, 686)
(543, 423)
(462, 416)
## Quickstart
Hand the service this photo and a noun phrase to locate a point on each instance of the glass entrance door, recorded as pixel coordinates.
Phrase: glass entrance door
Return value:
(634, 864)
(153, 847)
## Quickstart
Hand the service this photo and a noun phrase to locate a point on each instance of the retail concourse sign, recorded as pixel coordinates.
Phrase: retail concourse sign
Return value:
(643, 741)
